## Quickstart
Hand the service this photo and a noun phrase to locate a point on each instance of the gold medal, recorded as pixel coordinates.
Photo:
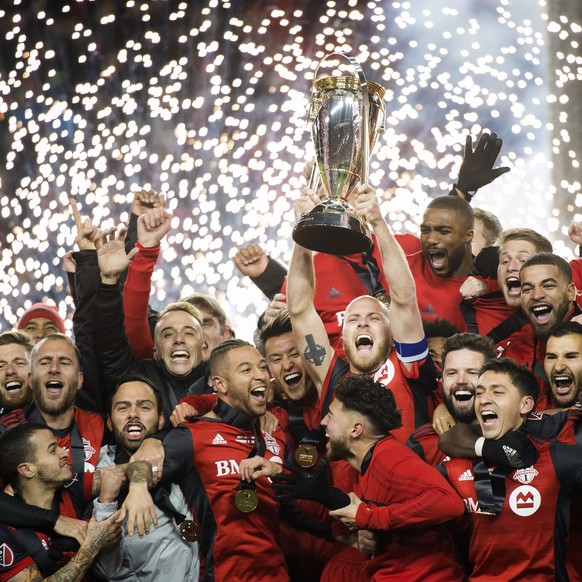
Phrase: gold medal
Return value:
(246, 500)
(306, 456)
(189, 531)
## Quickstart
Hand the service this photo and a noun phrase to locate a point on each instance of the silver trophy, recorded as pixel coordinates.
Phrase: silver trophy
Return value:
(346, 114)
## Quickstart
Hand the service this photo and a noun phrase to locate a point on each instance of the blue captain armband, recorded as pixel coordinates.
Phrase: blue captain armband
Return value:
(410, 353)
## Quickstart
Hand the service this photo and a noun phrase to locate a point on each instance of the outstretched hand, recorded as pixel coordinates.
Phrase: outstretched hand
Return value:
(477, 167)
(111, 254)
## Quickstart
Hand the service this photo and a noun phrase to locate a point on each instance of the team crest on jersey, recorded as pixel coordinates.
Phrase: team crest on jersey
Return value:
(525, 500)
(272, 445)
(89, 450)
(6, 556)
(525, 476)
(385, 374)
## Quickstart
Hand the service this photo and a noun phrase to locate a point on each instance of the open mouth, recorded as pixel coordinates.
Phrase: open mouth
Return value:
(364, 342)
(563, 383)
(513, 287)
(54, 387)
(463, 398)
(542, 313)
(292, 380)
(489, 417)
(13, 386)
(437, 259)
(134, 431)
(259, 394)
(179, 355)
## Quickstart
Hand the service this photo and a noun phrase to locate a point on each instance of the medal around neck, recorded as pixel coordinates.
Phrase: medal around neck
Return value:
(189, 531)
(246, 500)
(347, 113)
(306, 456)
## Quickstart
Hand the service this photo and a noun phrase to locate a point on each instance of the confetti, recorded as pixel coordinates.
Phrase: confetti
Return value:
(206, 102)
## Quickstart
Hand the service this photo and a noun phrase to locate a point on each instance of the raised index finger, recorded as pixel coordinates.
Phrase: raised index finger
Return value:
(76, 213)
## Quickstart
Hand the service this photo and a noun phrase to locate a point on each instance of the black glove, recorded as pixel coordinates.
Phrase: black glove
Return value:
(513, 450)
(315, 485)
(477, 167)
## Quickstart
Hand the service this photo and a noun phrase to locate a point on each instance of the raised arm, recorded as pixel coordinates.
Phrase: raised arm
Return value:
(111, 343)
(308, 328)
(477, 168)
(405, 317)
(152, 227)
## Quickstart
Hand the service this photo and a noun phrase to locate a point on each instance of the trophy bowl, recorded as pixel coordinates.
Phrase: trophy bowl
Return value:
(347, 114)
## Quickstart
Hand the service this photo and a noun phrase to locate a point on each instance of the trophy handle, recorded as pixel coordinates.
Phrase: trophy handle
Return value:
(365, 108)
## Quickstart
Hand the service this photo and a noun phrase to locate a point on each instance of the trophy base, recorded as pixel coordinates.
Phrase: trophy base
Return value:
(334, 233)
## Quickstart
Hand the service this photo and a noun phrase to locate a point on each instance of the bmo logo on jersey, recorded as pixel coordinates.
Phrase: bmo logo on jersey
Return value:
(525, 500)
(229, 467)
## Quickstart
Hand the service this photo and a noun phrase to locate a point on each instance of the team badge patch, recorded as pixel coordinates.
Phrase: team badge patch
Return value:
(6, 556)
(525, 476)
(385, 374)
(272, 445)
(89, 450)
(525, 500)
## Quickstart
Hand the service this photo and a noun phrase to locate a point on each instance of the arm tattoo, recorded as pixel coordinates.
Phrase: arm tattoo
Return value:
(314, 353)
(96, 486)
(75, 569)
(139, 471)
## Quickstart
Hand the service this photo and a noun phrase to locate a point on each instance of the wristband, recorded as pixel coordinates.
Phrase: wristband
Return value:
(479, 446)
(466, 192)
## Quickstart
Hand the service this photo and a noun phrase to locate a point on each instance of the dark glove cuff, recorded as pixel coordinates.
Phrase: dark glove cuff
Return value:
(336, 499)
(468, 193)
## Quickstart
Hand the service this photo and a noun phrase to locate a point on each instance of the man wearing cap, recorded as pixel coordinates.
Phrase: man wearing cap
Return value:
(40, 320)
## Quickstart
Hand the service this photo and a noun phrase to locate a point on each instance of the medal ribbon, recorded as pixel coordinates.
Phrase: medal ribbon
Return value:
(490, 487)
(235, 418)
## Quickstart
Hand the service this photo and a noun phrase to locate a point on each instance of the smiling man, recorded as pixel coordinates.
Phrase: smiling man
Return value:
(388, 344)
(464, 354)
(221, 458)
(37, 468)
(178, 335)
(15, 389)
(134, 415)
(392, 491)
(520, 532)
(563, 364)
(547, 292)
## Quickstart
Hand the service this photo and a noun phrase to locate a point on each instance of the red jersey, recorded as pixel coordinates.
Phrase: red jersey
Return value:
(91, 429)
(526, 540)
(405, 501)
(413, 397)
(246, 545)
(424, 441)
(15, 556)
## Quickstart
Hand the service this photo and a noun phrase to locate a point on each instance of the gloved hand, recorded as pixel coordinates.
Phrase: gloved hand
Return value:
(477, 167)
(513, 450)
(315, 485)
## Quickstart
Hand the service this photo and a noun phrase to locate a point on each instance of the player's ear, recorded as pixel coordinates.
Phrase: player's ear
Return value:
(527, 405)
(357, 430)
(26, 470)
(220, 384)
